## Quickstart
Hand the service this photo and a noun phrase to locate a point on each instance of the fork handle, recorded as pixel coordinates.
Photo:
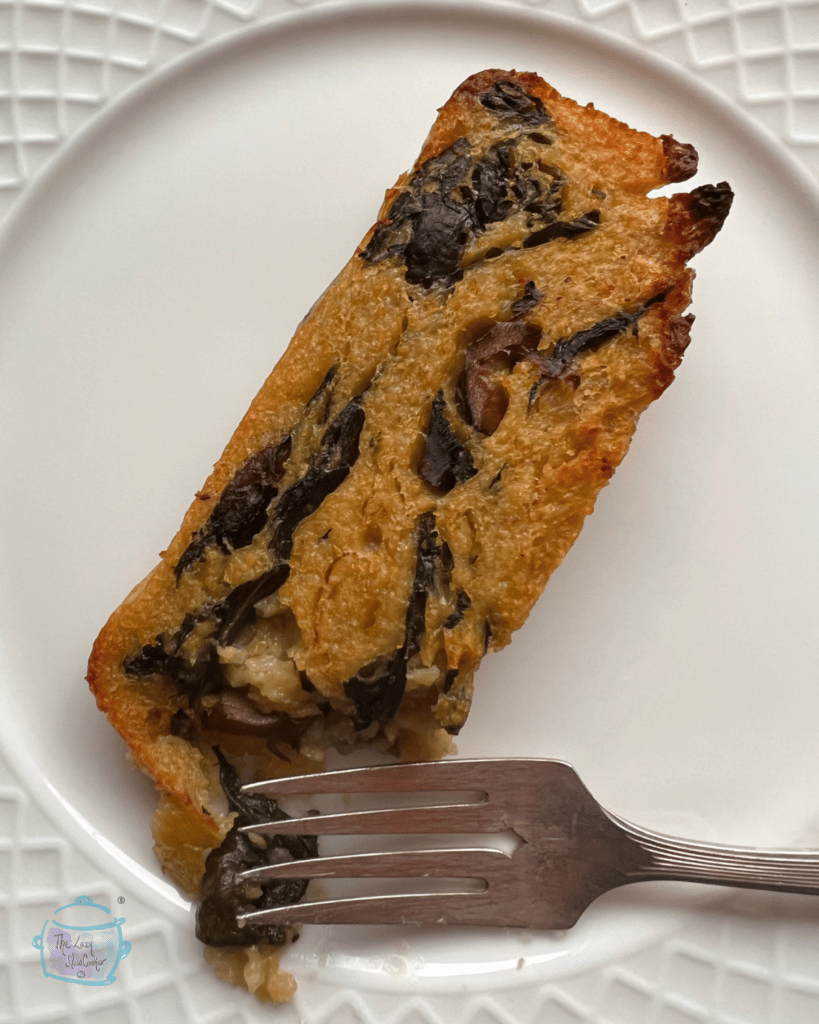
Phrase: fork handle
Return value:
(665, 858)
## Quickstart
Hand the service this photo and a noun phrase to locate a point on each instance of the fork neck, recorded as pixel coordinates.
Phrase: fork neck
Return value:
(663, 858)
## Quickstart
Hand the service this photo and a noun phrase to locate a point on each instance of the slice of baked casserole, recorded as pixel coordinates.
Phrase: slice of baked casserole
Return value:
(416, 465)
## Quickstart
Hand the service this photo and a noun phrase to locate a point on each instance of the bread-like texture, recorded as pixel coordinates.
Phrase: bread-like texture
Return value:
(419, 461)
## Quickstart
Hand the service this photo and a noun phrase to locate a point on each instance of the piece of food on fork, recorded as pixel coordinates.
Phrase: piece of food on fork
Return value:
(415, 467)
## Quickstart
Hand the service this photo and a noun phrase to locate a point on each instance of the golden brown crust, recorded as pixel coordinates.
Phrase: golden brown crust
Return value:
(695, 218)
(681, 159)
(553, 288)
(619, 155)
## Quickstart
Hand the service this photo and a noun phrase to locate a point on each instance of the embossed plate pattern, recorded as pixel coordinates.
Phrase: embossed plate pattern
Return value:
(755, 960)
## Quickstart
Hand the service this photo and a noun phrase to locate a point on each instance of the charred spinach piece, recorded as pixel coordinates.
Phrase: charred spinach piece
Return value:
(441, 230)
(592, 337)
(153, 659)
(445, 462)
(334, 460)
(505, 98)
(224, 896)
(377, 696)
(237, 608)
(568, 349)
(164, 656)
(324, 390)
(455, 196)
(430, 557)
(491, 180)
(526, 303)
(194, 678)
(200, 677)
(430, 223)
(241, 511)
(462, 602)
(563, 229)
(711, 202)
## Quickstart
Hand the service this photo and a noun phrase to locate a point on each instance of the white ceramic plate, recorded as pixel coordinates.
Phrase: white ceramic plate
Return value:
(151, 278)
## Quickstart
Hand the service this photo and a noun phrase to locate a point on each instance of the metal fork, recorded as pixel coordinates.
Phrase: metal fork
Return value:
(571, 850)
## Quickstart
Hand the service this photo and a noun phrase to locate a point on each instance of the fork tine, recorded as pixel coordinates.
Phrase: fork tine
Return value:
(411, 908)
(403, 821)
(469, 862)
(474, 774)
